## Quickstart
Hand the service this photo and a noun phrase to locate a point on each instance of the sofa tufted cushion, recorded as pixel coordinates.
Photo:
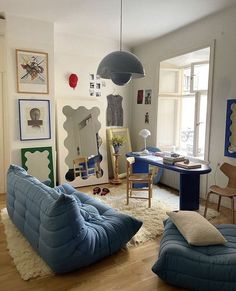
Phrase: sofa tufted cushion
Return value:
(67, 228)
(197, 267)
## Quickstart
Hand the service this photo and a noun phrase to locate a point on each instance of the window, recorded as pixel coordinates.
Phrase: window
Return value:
(181, 120)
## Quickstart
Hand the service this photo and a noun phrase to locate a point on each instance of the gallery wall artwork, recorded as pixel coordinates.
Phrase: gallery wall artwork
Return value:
(148, 96)
(34, 116)
(230, 130)
(140, 97)
(144, 96)
(32, 72)
(146, 118)
(95, 85)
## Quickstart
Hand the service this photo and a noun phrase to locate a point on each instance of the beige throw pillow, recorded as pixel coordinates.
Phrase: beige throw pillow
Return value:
(196, 229)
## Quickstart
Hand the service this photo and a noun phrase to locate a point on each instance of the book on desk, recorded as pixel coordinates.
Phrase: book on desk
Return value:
(141, 153)
(190, 165)
(172, 160)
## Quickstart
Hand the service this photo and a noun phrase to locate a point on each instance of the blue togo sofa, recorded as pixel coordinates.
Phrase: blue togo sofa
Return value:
(67, 228)
(200, 268)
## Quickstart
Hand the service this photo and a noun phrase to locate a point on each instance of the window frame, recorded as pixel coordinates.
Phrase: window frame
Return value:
(209, 102)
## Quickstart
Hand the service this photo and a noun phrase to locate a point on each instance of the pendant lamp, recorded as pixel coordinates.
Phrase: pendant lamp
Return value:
(120, 66)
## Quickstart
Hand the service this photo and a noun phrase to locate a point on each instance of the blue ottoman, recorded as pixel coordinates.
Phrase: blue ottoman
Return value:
(197, 268)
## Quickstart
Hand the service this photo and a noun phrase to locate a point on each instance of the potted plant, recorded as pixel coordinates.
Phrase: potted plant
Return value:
(117, 141)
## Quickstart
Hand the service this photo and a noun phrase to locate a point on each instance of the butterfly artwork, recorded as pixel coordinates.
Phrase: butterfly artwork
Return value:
(32, 72)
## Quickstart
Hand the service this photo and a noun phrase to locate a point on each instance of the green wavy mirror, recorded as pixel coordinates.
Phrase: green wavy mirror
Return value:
(38, 162)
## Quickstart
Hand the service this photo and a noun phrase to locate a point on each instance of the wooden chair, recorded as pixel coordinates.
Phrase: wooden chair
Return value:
(229, 191)
(80, 167)
(138, 178)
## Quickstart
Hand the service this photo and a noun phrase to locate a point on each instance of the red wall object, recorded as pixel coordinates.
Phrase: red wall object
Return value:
(73, 79)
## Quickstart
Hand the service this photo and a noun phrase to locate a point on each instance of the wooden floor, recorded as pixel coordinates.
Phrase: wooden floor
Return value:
(126, 270)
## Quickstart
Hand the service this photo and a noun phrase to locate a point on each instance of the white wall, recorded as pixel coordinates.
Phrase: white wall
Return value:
(220, 27)
(81, 55)
(2, 71)
(28, 34)
(72, 54)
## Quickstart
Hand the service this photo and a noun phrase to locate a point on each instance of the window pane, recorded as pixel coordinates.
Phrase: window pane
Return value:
(166, 123)
(202, 125)
(169, 81)
(200, 74)
(186, 80)
(187, 125)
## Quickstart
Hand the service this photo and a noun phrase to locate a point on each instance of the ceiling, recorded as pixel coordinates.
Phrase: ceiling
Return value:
(142, 20)
(202, 55)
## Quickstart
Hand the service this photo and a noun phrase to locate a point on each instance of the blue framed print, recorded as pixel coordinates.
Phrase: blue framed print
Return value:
(34, 115)
(230, 130)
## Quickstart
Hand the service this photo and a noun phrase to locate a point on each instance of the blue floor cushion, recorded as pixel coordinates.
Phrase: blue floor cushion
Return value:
(197, 267)
(67, 228)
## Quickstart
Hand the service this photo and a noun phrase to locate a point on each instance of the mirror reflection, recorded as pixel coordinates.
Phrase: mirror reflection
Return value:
(82, 142)
(37, 164)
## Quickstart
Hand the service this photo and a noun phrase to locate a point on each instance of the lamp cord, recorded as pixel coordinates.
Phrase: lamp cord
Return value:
(121, 24)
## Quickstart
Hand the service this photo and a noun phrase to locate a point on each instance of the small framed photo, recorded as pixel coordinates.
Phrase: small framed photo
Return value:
(32, 72)
(34, 115)
(91, 92)
(148, 96)
(140, 97)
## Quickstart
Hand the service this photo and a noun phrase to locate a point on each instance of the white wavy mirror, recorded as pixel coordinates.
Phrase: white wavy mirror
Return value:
(82, 144)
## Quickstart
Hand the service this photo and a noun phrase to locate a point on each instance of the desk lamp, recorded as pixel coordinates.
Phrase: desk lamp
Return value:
(145, 133)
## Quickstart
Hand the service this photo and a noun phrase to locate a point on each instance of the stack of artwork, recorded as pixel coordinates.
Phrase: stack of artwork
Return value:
(34, 113)
(32, 77)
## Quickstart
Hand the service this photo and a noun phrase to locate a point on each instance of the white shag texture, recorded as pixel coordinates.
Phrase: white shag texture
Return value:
(28, 263)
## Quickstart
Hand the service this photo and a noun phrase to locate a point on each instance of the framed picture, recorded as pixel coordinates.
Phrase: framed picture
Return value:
(230, 129)
(32, 72)
(126, 147)
(38, 162)
(34, 117)
(140, 97)
(148, 96)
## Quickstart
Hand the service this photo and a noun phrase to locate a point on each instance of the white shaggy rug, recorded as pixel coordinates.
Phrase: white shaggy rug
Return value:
(30, 265)
(152, 217)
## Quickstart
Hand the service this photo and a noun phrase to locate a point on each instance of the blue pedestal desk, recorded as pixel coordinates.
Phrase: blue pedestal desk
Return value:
(189, 178)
